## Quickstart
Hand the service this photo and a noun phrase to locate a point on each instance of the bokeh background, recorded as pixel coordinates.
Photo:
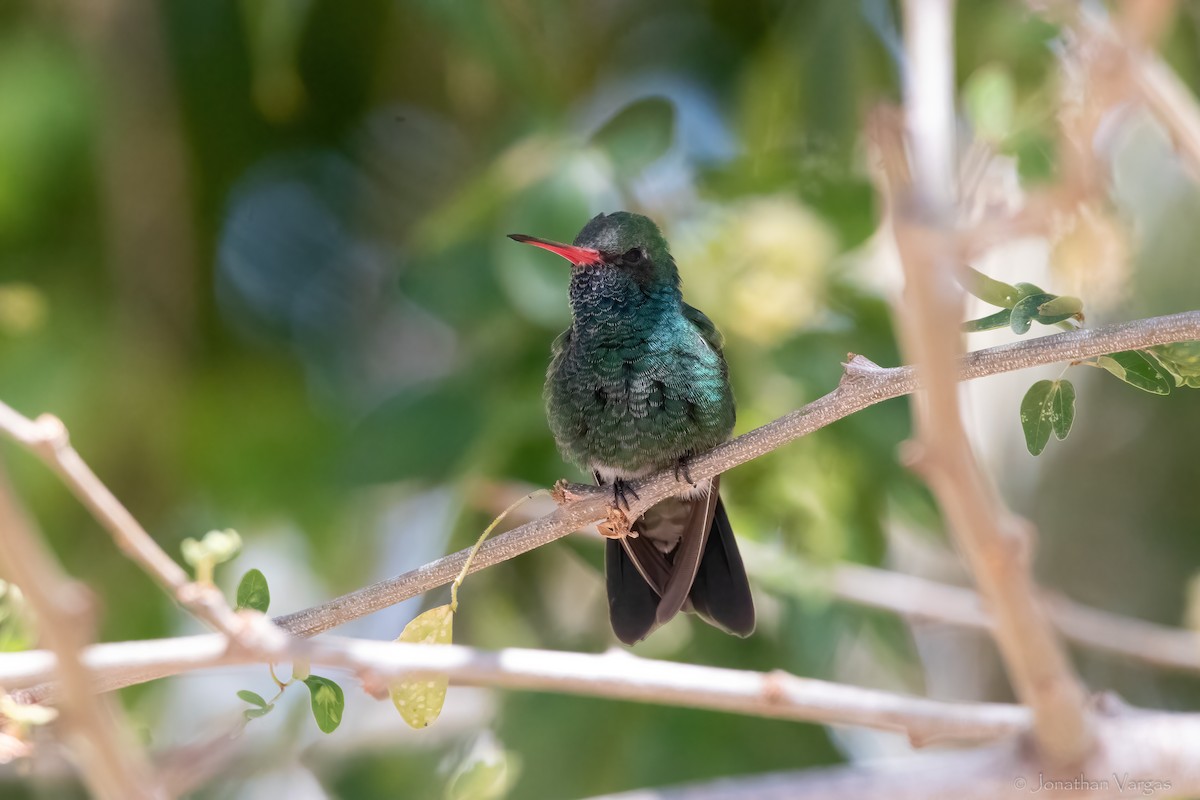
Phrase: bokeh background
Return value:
(253, 254)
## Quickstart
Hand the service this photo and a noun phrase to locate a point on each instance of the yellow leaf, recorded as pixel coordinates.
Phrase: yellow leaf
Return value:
(420, 700)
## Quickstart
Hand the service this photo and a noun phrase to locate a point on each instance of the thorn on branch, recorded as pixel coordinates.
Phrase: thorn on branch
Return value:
(48, 435)
(857, 367)
(913, 455)
(1110, 704)
(774, 686)
(565, 492)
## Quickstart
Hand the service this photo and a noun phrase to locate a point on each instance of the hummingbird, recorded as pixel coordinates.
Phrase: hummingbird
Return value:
(637, 384)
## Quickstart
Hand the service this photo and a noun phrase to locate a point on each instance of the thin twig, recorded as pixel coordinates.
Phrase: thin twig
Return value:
(1128, 48)
(994, 541)
(864, 384)
(920, 600)
(615, 674)
(112, 766)
(47, 438)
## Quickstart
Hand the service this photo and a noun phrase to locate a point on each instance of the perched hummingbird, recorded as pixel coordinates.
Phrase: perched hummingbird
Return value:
(638, 384)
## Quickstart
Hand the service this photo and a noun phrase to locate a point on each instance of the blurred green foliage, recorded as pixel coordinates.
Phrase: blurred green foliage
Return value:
(321, 326)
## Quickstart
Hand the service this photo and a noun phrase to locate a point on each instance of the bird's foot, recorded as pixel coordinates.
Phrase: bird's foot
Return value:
(683, 468)
(621, 493)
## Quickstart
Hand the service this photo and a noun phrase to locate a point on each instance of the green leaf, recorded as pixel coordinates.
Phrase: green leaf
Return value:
(328, 702)
(252, 698)
(420, 700)
(989, 290)
(1182, 360)
(487, 772)
(1063, 304)
(1025, 310)
(480, 781)
(216, 547)
(1026, 289)
(1037, 414)
(1062, 408)
(990, 322)
(1139, 369)
(252, 592)
(261, 709)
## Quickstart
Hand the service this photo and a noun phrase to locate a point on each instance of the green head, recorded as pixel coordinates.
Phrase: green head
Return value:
(629, 245)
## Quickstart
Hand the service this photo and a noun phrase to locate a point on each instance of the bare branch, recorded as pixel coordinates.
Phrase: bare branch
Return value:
(1132, 65)
(920, 600)
(615, 674)
(47, 438)
(112, 766)
(1142, 755)
(863, 385)
(917, 599)
(994, 542)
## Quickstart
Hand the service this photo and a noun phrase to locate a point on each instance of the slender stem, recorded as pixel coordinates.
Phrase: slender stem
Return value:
(47, 438)
(922, 601)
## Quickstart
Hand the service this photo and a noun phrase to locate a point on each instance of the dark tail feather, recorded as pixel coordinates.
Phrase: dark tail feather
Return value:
(685, 559)
(721, 591)
(632, 603)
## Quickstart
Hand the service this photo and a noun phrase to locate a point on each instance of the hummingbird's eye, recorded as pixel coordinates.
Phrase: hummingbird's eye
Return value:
(634, 256)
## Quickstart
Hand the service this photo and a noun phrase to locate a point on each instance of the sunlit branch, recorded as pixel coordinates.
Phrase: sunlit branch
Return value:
(615, 675)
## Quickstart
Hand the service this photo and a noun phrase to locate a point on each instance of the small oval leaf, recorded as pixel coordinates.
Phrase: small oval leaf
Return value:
(1063, 304)
(1036, 416)
(420, 700)
(1062, 415)
(253, 592)
(1025, 310)
(998, 320)
(1138, 369)
(1182, 360)
(252, 698)
(1026, 289)
(255, 713)
(989, 290)
(328, 702)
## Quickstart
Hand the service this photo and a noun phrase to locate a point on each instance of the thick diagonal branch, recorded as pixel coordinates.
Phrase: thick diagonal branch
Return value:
(112, 766)
(994, 542)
